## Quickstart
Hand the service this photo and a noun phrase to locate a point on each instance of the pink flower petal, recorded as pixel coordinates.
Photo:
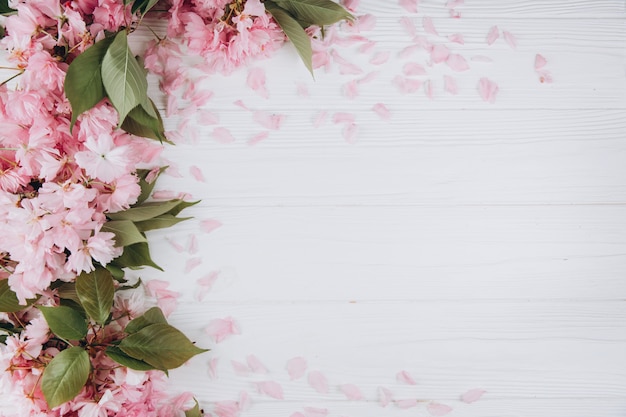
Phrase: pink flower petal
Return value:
(343, 117)
(456, 38)
(405, 404)
(457, 63)
(544, 76)
(297, 414)
(380, 58)
(405, 378)
(371, 76)
(210, 225)
(256, 81)
(320, 119)
(472, 395)
(192, 263)
(439, 54)
(193, 245)
(408, 25)
(213, 368)
(510, 39)
(437, 410)
(206, 118)
(349, 132)
(261, 136)
(409, 5)
(244, 401)
(315, 412)
(269, 120)
(429, 27)
(256, 365)
(205, 284)
(449, 85)
(177, 246)
(318, 382)
(381, 110)
(220, 329)
(271, 389)
(409, 50)
(352, 392)
(302, 90)
(413, 68)
(222, 135)
(540, 62)
(406, 85)
(197, 173)
(428, 89)
(241, 104)
(493, 35)
(351, 89)
(241, 369)
(227, 409)
(296, 367)
(385, 396)
(487, 90)
(451, 4)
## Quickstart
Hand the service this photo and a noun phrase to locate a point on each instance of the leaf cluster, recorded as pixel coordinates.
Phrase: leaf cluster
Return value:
(293, 16)
(108, 69)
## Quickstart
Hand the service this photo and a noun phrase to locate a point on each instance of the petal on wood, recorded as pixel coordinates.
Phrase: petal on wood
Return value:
(439, 54)
(196, 173)
(296, 367)
(510, 39)
(220, 329)
(385, 396)
(227, 409)
(413, 68)
(409, 5)
(209, 225)
(457, 63)
(493, 35)
(405, 377)
(406, 85)
(451, 4)
(271, 389)
(297, 414)
(269, 120)
(213, 368)
(481, 58)
(261, 136)
(315, 412)
(449, 85)
(192, 263)
(381, 110)
(408, 25)
(406, 403)
(318, 382)
(256, 365)
(343, 117)
(487, 90)
(473, 395)
(256, 81)
(540, 62)
(456, 38)
(428, 25)
(206, 118)
(349, 132)
(205, 284)
(438, 410)
(241, 369)
(351, 391)
(320, 119)
(222, 135)
(428, 89)
(380, 58)
(351, 89)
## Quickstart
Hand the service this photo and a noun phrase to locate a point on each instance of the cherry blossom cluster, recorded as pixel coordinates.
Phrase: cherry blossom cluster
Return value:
(112, 389)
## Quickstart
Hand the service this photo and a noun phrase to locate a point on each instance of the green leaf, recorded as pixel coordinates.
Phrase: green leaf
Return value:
(124, 81)
(130, 287)
(152, 316)
(161, 345)
(160, 222)
(126, 233)
(65, 376)
(316, 12)
(67, 291)
(195, 411)
(83, 81)
(8, 300)
(95, 290)
(5, 9)
(65, 322)
(145, 211)
(180, 207)
(140, 123)
(136, 255)
(146, 188)
(294, 32)
(120, 357)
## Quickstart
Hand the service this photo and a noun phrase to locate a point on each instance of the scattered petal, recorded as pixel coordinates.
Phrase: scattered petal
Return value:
(352, 392)
(227, 409)
(437, 410)
(449, 85)
(205, 284)
(439, 54)
(381, 110)
(241, 104)
(256, 81)
(241, 369)
(320, 119)
(545, 77)
(472, 395)
(213, 368)
(222, 135)
(409, 5)
(193, 245)
(192, 263)
(256, 365)
(457, 63)
(540, 62)
(510, 39)
(315, 412)
(318, 382)
(258, 138)
(413, 68)
(206, 118)
(409, 50)
(351, 89)
(405, 378)
(271, 389)
(487, 90)
(493, 35)
(406, 85)
(342, 117)
(456, 38)
(451, 4)
(428, 89)
(209, 225)
(405, 404)
(220, 329)
(385, 396)
(408, 25)
(177, 246)
(269, 120)
(244, 401)
(196, 173)
(368, 77)
(429, 27)
(350, 132)
(297, 414)
(296, 367)
(380, 58)
(302, 90)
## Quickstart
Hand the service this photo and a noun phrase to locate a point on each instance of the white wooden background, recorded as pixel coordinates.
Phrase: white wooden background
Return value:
(473, 245)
